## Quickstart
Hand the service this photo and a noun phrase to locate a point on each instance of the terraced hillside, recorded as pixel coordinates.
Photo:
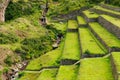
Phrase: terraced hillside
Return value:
(90, 50)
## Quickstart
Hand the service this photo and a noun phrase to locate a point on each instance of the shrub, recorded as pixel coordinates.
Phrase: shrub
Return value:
(8, 38)
(8, 60)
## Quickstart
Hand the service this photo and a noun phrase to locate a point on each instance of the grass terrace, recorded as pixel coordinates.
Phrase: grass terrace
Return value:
(51, 58)
(67, 72)
(81, 20)
(113, 20)
(116, 58)
(89, 43)
(29, 76)
(95, 69)
(48, 74)
(71, 47)
(108, 38)
(90, 14)
(106, 10)
(72, 24)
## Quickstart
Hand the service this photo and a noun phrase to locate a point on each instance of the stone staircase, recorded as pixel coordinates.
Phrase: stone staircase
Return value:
(91, 48)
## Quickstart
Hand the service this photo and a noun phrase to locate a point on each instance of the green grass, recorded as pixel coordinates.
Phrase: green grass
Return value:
(48, 75)
(89, 43)
(29, 76)
(107, 10)
(108, 38)
(95, 69)
(116, 58)
(71, 47)
(67, 72)
(72, 24)
(60, 26)
(90, 14)
(81, 20)
(113, 20)
(49, 59)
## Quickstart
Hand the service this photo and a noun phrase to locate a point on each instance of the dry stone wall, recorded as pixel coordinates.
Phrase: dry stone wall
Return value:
(114, 70)
(110, 7)
(109, 26)
(104, 12)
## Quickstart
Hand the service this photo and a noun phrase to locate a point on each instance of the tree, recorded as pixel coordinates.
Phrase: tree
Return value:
(3, 6)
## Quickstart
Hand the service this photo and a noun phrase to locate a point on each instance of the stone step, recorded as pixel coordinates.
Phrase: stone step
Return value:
(101, 10)
(116, 59)
(110, 41)
(81, 21)
(90, 46)
(71, 50)
(48, 74)
(111, 24)
(110, 7)
(95, 69)
(72, 26)
(90, 16)
(68, 72)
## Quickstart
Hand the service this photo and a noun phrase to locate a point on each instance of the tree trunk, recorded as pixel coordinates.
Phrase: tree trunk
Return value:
(2, 15)
(3, 6)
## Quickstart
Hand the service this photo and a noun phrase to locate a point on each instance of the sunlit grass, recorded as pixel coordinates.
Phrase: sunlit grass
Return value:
(89, 43)
(113, 20)
(49, 74)
(90, 14)
(95, 69)
(72, 24)
(106, 36)
(116, 58)
(81, 20)
(29, 76)
(107, 10)
(67, 72)
(71, 47)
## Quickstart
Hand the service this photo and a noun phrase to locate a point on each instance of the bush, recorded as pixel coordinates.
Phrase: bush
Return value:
(8, 61)
(21, 8)
(34, 47)
(8, 38)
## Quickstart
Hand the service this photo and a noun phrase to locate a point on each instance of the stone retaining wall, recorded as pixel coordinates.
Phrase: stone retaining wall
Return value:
(72, 30)
(89, 19)
(109, 26)
(98, 37)
(68, 62)
(48, 67)
(80, 44)
(114, 70)
(113, 49)
(71, 15)
(92, 55)
(83, 55)
(110, 7)
(104, 12)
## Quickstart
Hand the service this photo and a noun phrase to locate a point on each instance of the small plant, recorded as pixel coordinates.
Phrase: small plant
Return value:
(21, 74)
(87, 52)
(8, 60)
